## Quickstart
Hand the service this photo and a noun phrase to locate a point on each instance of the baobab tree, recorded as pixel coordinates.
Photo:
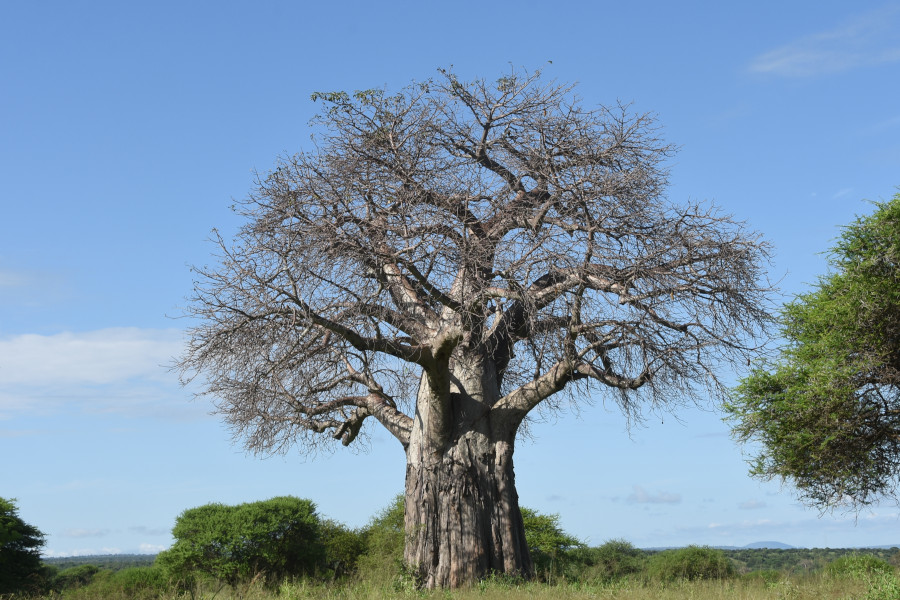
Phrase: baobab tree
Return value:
(451, 258)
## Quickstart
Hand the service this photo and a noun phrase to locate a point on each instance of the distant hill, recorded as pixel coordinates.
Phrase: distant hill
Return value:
(752, 546)
(768, 545)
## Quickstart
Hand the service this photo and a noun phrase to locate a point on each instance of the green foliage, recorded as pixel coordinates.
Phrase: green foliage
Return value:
(110, 562)
(827, 412)
(615, 559)
(274, 538)
(135, 580)
(548, 543)
(75, 576)
(883, 586)
(693, 562)
(343, 547)
(385, 538)
(20, 558)
(858, 566)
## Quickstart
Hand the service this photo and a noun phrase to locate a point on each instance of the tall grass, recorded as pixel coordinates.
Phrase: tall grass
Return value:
(878, 586)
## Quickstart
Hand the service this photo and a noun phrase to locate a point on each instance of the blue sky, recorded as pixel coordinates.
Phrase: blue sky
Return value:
(127, 130)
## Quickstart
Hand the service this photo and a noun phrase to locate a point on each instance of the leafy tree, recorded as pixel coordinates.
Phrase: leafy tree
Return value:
(448, 260)
(276, 538)
(826, 413)
(20, 558)
(547, 542)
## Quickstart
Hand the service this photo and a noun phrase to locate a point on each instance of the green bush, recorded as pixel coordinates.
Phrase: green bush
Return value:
(693, 562)
(134, 580)
(551, 547)
(856, 566)
(385, 538)
(75, 576)
(343, 548)
(883, 586)
(615, 559)
(275, 539)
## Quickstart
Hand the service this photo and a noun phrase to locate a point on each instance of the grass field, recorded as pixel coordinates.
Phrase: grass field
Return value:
(814, 587)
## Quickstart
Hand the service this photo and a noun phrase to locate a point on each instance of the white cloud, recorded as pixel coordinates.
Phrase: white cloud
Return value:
(94, 357)
(121, 370)
(752, 505)
(641, 496)
(150, 548)
(144, 530)
(867, 40)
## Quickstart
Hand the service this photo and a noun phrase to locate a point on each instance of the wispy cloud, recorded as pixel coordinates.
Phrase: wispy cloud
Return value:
(752, 505)
(93, 357)
(143, 530)
(867, 40)
(85, 533)
(641, 496)
(121, 370)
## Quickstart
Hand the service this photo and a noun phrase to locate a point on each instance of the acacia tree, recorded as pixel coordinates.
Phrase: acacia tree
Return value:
(20, 551)
(826, 412)
(449, 259)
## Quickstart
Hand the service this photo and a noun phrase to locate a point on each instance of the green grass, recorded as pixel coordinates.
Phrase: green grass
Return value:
(878, 586)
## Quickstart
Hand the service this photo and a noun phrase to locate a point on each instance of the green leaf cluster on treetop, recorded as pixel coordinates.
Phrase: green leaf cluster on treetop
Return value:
(827, 411)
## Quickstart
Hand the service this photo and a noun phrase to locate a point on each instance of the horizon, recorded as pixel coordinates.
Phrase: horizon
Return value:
(649, 549)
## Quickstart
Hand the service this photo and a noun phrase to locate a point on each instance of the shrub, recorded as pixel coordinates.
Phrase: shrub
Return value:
(884, 586)
(275, 538)
(615, 559)
(855, 566)
(384, 538)
(343, 547)
(549, 545)
(693, 562)
(75, 576)
(134, 580)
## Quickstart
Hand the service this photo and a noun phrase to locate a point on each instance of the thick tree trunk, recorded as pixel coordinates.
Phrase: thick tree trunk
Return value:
(462, 510)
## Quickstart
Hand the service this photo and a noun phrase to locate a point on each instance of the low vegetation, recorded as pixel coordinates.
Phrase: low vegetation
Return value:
(224, 553)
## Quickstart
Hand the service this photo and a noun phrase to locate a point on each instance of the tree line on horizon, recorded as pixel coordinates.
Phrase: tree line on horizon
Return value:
(285, 539)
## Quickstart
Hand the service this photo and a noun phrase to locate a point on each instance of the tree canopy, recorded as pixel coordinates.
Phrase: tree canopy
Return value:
(447, 260)
(20, 545)
(826, 411)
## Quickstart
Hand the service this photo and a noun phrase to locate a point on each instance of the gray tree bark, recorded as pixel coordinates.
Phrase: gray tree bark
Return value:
(462, 510)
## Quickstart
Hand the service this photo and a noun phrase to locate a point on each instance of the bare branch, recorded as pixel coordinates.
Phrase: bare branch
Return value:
(460, 247)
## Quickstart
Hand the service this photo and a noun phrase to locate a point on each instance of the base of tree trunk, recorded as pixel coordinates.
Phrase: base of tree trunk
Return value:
(462, 515)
